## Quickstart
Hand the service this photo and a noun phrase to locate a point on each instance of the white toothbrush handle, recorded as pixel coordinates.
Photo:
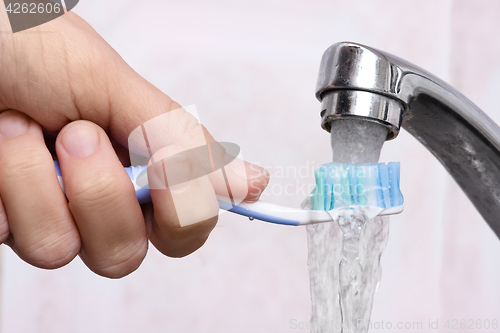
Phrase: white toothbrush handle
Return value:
(265, 211)
(259, 210)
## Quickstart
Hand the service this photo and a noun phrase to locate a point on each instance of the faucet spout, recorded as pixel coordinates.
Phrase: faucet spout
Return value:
(365, 83)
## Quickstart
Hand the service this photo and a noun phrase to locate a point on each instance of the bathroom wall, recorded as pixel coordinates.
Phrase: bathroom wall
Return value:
(250, 68)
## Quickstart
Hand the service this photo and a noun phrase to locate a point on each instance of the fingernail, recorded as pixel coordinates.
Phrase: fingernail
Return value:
(254, 171)
(255, 177)
(257, 182)
(247, 171)
(13, 124)
(80, 139)
(177, 169)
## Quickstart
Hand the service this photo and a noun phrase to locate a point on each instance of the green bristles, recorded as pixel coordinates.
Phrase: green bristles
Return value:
(340, 185)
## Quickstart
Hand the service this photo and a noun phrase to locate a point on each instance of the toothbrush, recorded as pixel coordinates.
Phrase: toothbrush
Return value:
(370, 189)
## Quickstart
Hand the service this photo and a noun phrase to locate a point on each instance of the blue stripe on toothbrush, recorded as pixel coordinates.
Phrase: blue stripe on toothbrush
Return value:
(144, 196)
(255, 215)
(142, 193)
(58, 169)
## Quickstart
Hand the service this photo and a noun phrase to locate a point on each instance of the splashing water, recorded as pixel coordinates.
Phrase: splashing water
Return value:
(344, 256)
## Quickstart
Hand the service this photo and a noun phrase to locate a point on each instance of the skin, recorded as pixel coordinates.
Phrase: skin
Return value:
(69, 95)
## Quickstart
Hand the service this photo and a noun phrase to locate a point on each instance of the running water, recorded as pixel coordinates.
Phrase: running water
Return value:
(344, 257)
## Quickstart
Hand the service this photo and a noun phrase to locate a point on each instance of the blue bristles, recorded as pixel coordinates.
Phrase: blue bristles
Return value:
(340, 185)
(396, 196)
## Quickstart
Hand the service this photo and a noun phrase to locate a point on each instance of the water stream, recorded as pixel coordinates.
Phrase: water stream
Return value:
(344, 256)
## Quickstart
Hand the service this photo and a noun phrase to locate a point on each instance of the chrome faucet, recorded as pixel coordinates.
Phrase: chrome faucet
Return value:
(356, 81)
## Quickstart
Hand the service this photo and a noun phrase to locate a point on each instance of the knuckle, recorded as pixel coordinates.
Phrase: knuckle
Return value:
(192, 132)
(184, 128)
(23, 166)
(98, 191)
(188, 122)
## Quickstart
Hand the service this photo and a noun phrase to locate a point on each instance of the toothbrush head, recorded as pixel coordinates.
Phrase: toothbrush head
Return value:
(371, 188)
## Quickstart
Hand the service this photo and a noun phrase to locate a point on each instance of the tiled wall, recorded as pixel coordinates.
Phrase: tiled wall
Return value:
(250, 67)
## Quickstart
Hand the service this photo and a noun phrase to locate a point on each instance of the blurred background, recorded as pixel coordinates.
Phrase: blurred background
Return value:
(251, 67)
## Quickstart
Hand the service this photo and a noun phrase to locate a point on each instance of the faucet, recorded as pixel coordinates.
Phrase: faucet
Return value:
(357, 81)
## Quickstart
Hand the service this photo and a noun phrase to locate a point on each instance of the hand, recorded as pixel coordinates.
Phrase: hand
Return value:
(69, 94)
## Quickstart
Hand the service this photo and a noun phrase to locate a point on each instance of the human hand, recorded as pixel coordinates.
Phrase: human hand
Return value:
(69, 93)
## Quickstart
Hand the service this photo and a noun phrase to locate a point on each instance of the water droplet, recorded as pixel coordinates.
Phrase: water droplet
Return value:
(251, 218)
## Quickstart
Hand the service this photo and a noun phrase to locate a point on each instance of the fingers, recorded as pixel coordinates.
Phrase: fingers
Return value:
(102, 200)
(186, 213)
(41, 226)
(183, 150)
(257, 180)
(185, 206)
(246, 181)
